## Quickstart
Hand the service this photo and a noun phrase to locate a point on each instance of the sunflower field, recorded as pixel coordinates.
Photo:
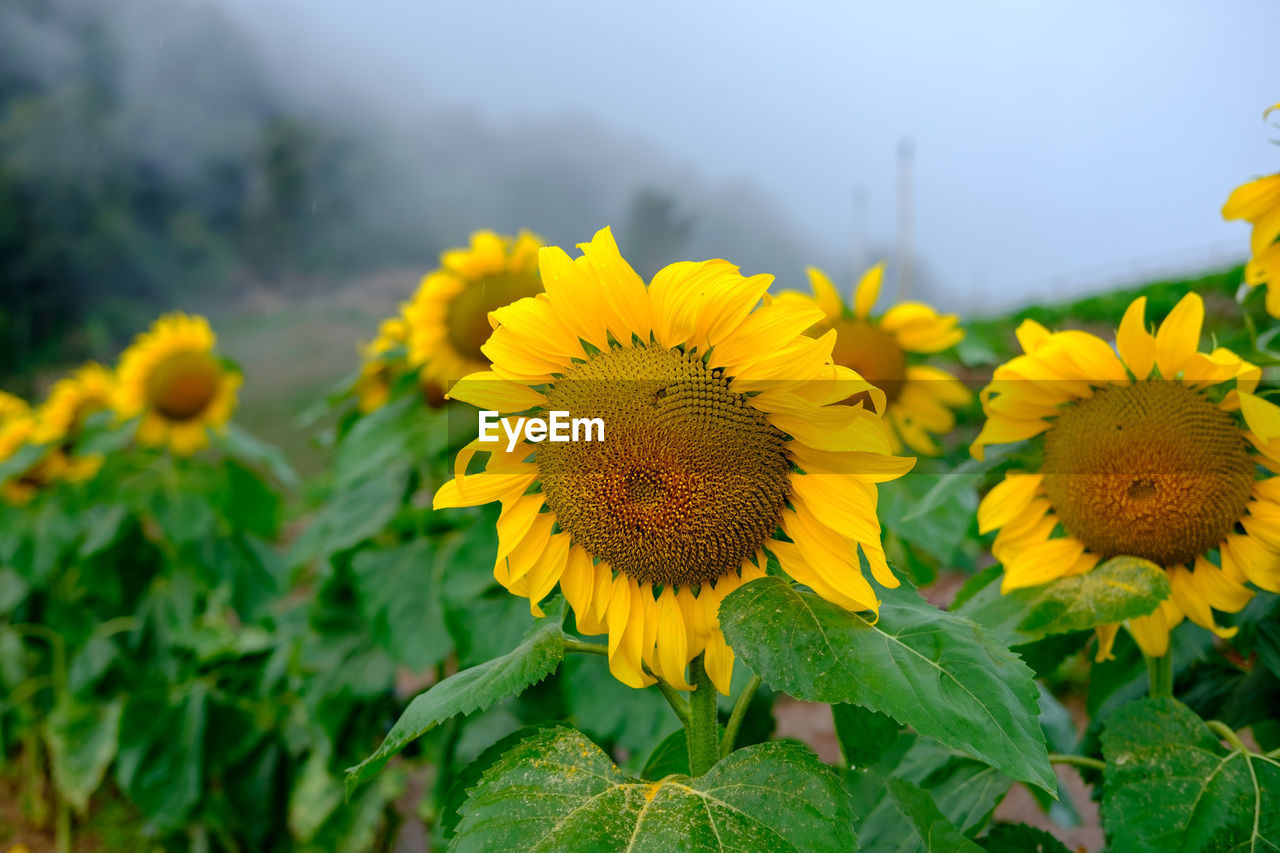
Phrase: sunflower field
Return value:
(707, 561)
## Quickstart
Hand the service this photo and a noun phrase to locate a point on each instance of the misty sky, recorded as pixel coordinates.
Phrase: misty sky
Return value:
(1051, 137)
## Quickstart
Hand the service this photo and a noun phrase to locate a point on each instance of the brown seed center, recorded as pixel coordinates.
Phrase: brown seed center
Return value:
(1154, 470)
(690, 479)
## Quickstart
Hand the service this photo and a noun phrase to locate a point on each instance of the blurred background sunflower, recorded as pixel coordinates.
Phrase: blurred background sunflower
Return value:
(172, 379)
(448, 317)
(919, 398)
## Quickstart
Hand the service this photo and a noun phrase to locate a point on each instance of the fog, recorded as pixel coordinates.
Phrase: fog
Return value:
(184, 153)
(1058, 146)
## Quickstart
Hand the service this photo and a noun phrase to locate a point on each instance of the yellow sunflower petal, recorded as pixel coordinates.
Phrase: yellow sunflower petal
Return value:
(824, 293)
(1178, 337)
(1262, 416)
(1137, 346)
(867, 291)
(673, 641)
(1007, 500)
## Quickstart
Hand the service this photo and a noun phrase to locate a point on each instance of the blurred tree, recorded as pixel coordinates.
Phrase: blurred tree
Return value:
(654, 233)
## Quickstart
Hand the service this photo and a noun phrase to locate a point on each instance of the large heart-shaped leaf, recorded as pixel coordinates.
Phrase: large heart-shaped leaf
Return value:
(558, 791)
(935, 671)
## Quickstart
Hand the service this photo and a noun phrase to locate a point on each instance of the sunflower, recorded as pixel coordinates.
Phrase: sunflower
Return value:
(919, 397)
(724, 440)
(378, 372)
(1258, 203)
(71, 401)
(17, 431)
(172, 378)
(448, 317)
(1145, 454)
(11, 407)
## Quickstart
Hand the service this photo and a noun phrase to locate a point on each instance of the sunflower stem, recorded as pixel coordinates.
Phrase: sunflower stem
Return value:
(1228, 734)
(1076, 761)
(735, 719)
(676, 701)
(1160, 676)
(702, 727)
(586, 648)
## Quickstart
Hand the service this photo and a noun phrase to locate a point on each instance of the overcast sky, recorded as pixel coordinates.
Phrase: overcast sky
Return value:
(1050, 137)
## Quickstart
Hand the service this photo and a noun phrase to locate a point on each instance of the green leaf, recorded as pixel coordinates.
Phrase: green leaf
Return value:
(352, 514)
(183, 516)
(473, 689)
(82, 739)
(940, 531)
(864, 735)
(935, 833)
(13, 590)
(965, 791)
(1170, 784)
(315, 795)
(248, 503)
(398, 598)
(668, 758)
(249, 448)
(1020, 838)
(161, 759)
(559, 791)
(929, 669)
(1118, 589)
(471, 773)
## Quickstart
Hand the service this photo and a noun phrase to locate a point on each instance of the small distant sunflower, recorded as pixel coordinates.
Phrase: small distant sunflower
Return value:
(1258, 203)
(72, 400)
(378, 372)
(17, 431)
(448, 317)
(174, 380)
(1145, 454)
(12, 406)
(920, 398)
(722, 427)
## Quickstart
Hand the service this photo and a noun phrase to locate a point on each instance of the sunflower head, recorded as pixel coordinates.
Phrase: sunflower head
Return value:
(174, 380)
(72, 400)
(448, 318)
(919, 398)
(1258, 203)
(1147, 450)
(724, 439)
(16, 433)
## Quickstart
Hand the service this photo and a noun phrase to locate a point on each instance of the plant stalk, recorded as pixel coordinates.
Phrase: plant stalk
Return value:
(701, 729)
(1160, 676)
(1076, 761)
(735, 719)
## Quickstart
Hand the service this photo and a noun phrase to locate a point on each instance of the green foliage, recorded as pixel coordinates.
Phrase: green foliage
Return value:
(558, 791)
(1172, 785)
(1118, 589)
(943, 675)
(473, 689)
